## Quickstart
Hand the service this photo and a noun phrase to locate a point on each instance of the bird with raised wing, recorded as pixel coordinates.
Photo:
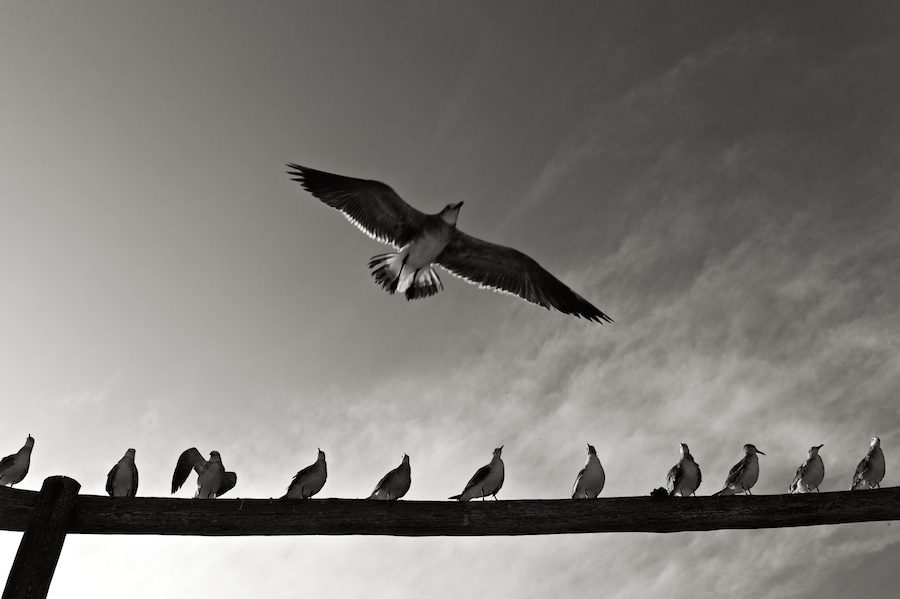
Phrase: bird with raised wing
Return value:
(591, 478)
(486, 481)
(811, 473)
(684, 478)
(744, 474)
(122, 480)
(310, 480)
(870, 470)
(395, 483)
(424, 240)
(212, 479)
(13, 468)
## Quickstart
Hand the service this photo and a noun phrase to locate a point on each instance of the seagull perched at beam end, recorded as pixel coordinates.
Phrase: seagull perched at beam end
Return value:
(122, 480)
(811, 473)
(744, 474)
(212, 480)
(684, 478)
(486, 481)
(427, 239)
(13, 468)
(591, 478)
(395, 483)
(870, 471)
(310, 480)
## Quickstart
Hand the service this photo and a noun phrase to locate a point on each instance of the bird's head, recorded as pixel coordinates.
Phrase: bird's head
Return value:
(497, 451)
(685, 449)
(591, 450)
(450, 213)
(814, 450)
(406, 459)
(876, 442)
(29, 442)
(214, 456)
(130, 453)
(321, 455)
(751, 448)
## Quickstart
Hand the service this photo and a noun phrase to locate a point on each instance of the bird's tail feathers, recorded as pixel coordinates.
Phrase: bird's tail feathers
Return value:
(388, 270)
(455, 496)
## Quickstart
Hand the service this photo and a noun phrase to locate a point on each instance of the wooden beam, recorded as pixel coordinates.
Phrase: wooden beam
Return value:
(233, 517)
(39, 549)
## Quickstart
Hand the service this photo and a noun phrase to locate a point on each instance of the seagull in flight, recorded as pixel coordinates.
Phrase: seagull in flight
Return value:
(212, 480)
(122, 480)
(424, 240)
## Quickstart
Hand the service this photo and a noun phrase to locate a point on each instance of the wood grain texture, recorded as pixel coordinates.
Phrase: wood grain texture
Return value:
(232, 517)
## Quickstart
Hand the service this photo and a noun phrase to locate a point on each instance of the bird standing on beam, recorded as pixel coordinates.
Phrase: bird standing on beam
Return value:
(486, 481)
(395, 483)
(309, 480)
(744, 474)
(810, 474)
(13, 468)
(591, 478)
(870, 470)
(122, 480)
(212, 480)
(684, 478)
(427, 239)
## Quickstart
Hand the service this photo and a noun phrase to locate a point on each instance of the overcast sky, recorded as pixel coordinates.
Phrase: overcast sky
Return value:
(720, 178)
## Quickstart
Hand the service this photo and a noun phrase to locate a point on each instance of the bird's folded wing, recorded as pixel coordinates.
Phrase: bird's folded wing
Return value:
(110, 478)
(506, 269)
(735, 473)
(673, 478)
(134, 481)
(229, 479)
(479, 476)
(383, 482)
(7, 461)
(188, 460)
(370, 205)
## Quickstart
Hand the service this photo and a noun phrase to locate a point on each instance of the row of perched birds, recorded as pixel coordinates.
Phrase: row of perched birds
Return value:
(682, 480)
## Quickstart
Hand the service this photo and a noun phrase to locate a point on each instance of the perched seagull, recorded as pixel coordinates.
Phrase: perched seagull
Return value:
(743, 475)
(684, 478)
(868, 474)
(309, 481)
(811, 473)
(591, 478)
(428, 239)
(212, 480)
(122, 480)
(487, 481)
(395, 483)
(13, 468)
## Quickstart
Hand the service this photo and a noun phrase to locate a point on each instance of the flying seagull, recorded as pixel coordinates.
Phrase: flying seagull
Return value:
(427, 239)
(212, 480)
(309, 481)
(395, 483)
(684, 478)
(870, 471)
(744, 474)
(811, 473)
(13, 468)
(122, 480)
(591, 478)
(487, 481)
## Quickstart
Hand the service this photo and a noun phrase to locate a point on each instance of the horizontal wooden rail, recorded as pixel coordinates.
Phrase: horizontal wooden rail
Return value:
(232, 517)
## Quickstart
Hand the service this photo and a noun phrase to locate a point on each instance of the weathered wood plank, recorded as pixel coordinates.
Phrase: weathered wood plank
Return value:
(231, 517)
(39, 549)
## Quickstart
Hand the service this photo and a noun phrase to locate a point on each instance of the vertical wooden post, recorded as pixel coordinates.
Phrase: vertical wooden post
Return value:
(42, 541)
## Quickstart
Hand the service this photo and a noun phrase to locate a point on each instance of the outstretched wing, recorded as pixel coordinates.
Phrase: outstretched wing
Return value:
(505, 269)
(229, 479)
(370, 205)
(188, 460)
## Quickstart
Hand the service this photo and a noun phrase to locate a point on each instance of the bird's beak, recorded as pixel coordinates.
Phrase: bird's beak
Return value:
(820, 446)
(458, 206)
(760, 452)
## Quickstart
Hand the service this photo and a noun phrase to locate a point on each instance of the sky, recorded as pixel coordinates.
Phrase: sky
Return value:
(720, 178)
